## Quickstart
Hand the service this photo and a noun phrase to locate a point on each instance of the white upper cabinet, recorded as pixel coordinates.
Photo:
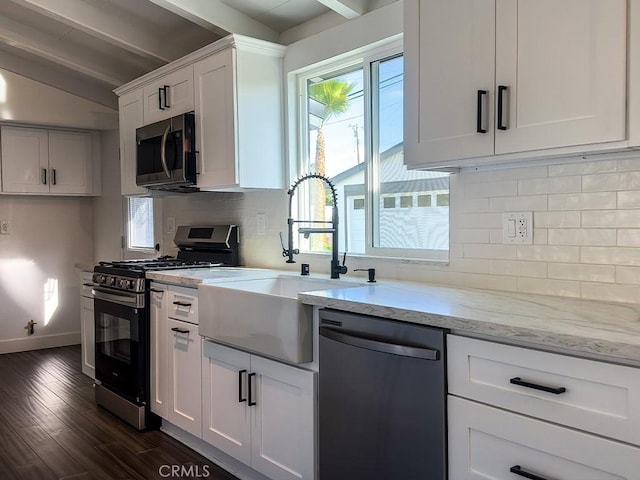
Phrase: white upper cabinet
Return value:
(235, 88)
(39, 161)
(239, 117)
(168, 96)
(503, 77)
(130, 110)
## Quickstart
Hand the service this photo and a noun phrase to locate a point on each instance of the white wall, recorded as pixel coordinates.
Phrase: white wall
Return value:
(49, 234)
(38, 280)
(107, 208)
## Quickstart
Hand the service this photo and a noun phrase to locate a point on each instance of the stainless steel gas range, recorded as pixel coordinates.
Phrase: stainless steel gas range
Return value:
(121, 298)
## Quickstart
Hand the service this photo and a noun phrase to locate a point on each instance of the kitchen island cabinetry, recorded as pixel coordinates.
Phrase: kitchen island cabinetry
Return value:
(497, 78)
(259, 411)
(41, 161)
(158, 348)
(502, 400)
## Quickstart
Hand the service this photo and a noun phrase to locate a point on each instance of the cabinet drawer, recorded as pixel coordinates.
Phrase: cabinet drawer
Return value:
(183, 304)
(598, 397)
(486, 442)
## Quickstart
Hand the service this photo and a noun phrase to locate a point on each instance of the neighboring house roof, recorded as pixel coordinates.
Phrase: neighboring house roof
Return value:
(402, 186)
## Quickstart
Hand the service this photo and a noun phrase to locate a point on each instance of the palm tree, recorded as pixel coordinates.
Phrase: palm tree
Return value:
(334, 95)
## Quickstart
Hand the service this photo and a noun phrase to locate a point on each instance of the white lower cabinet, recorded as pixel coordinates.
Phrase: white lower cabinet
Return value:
(520, 412)
(158, 352)
(489, 443)
(87, 326)
(185, 353)
(259, 411)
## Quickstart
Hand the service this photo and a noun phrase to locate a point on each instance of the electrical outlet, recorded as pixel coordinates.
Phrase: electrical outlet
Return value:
(171, 224)
(517, 228)
(5, 227)
(261, 224)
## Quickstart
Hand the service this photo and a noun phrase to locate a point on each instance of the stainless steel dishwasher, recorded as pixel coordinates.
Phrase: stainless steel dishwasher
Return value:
(382, 399)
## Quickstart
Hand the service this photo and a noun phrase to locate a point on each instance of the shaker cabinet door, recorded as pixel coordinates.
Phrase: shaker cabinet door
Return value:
(25, 160)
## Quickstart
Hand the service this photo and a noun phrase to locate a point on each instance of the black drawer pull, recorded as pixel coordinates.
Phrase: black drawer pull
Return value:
(182, 304)
(535, 386)
(251, 402)
(179, 330)
(155, 290)
(502, 89)
(517, 469)
(480, 116)
(240, 397)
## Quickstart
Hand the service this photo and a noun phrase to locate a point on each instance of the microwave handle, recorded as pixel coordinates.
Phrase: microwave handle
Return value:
(163, 150)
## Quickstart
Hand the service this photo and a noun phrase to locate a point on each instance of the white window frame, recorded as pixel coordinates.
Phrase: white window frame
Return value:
(365, 61)
(130, 252)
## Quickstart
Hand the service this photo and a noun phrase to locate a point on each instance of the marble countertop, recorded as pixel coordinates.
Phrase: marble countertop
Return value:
(192, 277)
(571, 325)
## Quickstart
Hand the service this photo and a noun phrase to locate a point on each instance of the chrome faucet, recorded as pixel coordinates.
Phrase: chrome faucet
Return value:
(336, 268)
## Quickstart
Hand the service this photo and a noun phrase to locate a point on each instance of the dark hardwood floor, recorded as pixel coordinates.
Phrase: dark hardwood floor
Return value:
(51, 428)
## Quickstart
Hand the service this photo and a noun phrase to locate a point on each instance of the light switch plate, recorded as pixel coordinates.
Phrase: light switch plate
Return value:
(5, 228)
(517, 228)
(261, 224)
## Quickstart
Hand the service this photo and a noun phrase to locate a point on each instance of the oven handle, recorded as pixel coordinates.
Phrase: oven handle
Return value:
(123, 298)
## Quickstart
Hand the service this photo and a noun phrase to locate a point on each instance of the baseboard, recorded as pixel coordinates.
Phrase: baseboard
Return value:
(39, 342)
(224, 461)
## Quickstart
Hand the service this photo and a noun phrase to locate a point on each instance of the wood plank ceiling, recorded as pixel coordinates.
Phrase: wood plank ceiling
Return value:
(90, 47)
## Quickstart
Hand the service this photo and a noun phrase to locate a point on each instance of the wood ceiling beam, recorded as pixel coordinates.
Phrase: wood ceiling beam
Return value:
(107, 26)
(347, 8)
(218, 17)
(42, 45)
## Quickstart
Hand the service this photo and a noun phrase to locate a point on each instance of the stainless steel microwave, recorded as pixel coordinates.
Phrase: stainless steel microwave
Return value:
(166, 155)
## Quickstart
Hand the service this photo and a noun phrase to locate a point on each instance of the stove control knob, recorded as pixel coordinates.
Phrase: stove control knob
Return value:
(111, 281)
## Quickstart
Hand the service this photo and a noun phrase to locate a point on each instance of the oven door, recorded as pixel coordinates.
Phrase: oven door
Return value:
(121, 343)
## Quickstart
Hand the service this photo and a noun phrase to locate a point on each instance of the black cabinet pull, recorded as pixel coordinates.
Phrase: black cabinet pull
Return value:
(517, 469)
(182, 304)
(155, 290)
(53, 176)
(251, 402)
(535, 386)
(502, 89)
(240, 397)
(481, 95)
(166, 96)
(179, 330)
(44, 176)
(160, 105)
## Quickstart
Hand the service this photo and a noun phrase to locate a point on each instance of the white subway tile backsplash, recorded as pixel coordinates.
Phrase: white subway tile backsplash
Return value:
(582, 201)
(518, 204)
(581, 272)
(629, 237)
(611, 182)
(536, 186)
(628, 275)
(582, 236)
(469, 265)
(581, 168)
(611, 218)
(546, 286)
(628, 164)
(472, 250)
(476, 220)
(492, 189)
(548, 253)
(540, 236)
(470, 235)
(470, 205)
(629, 199)
(556, 219)
(518, 268)
(610, 255)
(502, 174)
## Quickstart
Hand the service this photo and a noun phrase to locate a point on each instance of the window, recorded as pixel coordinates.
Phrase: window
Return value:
(140, 223)
(352, 132)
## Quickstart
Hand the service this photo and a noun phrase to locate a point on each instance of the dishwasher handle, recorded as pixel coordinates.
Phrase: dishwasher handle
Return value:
(377, 345)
